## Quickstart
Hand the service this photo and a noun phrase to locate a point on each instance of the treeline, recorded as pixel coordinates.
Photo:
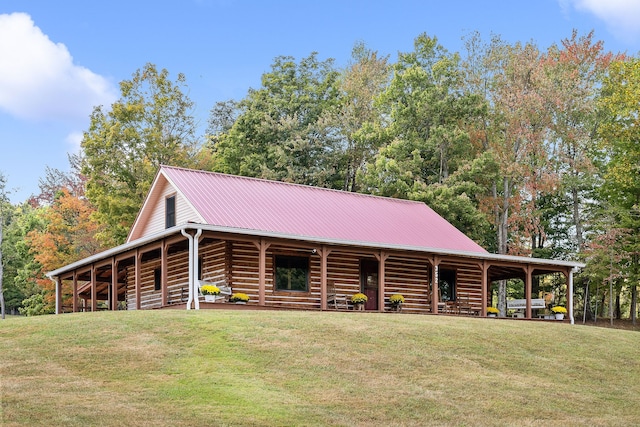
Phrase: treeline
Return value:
(528, 151)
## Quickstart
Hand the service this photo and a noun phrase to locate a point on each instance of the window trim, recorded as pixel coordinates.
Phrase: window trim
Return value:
(169, 216)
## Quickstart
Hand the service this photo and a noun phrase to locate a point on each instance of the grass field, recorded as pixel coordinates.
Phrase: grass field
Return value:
(291, 368)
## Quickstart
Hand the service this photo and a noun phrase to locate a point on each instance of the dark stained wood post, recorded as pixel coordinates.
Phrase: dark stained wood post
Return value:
(527, 291)
(434, 285)
(137, 262)
(75, 291)
(94, 289)
(164, 249)
(262, 269)
(114, 284)
(324, 254)
(58, 295)
(485, 288)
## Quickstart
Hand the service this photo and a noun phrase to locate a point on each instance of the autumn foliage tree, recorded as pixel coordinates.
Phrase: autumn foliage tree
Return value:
(68, 234)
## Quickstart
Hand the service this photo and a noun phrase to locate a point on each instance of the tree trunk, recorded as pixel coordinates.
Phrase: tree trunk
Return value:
(634, 303)
(577, 222)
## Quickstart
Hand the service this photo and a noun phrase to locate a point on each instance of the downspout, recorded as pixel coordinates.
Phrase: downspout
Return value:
(190, 237)
(194, 268)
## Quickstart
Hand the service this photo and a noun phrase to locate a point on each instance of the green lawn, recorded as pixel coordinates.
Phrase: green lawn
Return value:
(280, 368)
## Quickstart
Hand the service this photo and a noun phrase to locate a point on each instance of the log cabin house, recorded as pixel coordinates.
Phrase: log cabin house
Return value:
(291, 246)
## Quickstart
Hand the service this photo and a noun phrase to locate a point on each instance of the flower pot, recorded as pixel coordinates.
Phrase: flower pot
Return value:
(241, 302)
(559, 316)
(492, 315)
(210, 298)
(358, 306)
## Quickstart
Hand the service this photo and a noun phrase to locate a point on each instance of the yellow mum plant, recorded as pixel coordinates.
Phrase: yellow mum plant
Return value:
(209, 290)
(559, 309)
(359, 298)
(493, 310)
(396, 299)
(239, 297)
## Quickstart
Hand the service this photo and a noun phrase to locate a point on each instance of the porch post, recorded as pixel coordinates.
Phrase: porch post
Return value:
(94, 289)
(435, 298)
(527, 291)
(138, 261)
(324, 254)
(262, 269)
(58, 295)
(485, 285)
(114, 284)
(570, 294)
(75, 291)
(382, 257)
(163, 272)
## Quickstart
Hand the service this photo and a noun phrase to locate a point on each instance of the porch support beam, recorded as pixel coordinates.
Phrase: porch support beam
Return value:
(262, 246)
(94, 289)
(137, 274)
(485, 288)
(382, 257)
(163, 272)
(324, 255)
(114, 284)
(75, 291)
(58, 295)
(435, 299)
(527, 291)
(569, 277)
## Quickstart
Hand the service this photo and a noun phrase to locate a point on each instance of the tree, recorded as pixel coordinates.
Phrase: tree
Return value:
(358, 119)
(150, 125)
(574, 73)
(66, 236)
(3, 203)
(619, 136)
(283, 131)
(429, 156)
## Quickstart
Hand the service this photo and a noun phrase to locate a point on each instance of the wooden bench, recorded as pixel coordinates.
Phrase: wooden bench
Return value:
(521, 304)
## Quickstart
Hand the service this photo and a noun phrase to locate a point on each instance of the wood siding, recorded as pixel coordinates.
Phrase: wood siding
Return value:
(156, 221)
(236, 264)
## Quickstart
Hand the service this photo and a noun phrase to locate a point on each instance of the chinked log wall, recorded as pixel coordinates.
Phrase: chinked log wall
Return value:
(236, 264)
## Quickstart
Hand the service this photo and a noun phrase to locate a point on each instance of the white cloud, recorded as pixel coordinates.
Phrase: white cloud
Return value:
(38, 79)
(73, 142)
(622, 17)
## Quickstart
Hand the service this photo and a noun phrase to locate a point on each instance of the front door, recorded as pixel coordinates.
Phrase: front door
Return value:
(369, 282)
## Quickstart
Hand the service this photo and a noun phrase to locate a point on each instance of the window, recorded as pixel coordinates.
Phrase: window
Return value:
(447, 284)
(292, 273)
(157, 279)
(170, 211)
(199, 268)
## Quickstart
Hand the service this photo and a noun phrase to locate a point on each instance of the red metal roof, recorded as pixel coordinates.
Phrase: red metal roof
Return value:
(292, 209)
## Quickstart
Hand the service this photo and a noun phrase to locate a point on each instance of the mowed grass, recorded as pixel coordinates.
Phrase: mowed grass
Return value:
(294, 368)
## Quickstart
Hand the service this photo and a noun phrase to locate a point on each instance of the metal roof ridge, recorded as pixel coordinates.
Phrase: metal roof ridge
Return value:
(294, 184)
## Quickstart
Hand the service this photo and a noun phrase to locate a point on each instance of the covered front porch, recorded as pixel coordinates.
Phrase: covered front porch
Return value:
(291, 273)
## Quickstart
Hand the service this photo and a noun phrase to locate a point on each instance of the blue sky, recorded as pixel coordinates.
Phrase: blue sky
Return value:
(60, 59)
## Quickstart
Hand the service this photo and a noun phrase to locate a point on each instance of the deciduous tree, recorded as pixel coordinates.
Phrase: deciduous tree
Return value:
(151, 124)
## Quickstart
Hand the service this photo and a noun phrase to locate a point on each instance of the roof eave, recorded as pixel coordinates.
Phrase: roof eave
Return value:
(321, 240)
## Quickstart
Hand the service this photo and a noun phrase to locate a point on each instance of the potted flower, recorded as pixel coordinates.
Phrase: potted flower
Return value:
(492, 312)
(358, 300)
(559, 311)
(210, 292)
(239, 298)
(396, 301)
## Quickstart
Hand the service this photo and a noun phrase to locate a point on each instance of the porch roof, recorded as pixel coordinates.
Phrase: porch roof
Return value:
(496, 259)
